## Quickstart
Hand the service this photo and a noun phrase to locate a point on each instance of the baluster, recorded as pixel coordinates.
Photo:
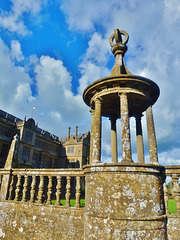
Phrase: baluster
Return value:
(58, 191)
(165, 197)
(17, 188)
(33, 185)
(78, 191)
(49, 190)
(41, 188)
(11, 188)
(25, 187)
(68, 194)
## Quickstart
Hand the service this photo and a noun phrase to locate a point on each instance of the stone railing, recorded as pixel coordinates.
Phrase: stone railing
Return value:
(174, 173)
(45, 186)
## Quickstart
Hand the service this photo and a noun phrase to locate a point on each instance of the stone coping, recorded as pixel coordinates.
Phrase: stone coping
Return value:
(125, 168)
(173, 215)
(52, 172)
(171, 170)
(4, 171)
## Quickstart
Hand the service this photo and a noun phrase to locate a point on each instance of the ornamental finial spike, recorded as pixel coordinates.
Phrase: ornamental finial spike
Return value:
(119, 48)
(120, 44)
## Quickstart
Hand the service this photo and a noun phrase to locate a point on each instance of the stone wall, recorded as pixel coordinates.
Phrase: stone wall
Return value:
(41, 222)
(122, 201)
(173, 226)
(30, 222)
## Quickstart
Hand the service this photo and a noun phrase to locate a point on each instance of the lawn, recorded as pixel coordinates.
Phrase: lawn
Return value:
(72, 202)
(172, 206)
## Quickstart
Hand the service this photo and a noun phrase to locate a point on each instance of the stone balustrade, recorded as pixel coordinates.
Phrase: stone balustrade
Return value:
(45, 186)
(174, 190)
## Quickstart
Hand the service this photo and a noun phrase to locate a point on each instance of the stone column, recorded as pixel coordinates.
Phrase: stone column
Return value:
(139, 139)
(151, 136)
(92, 130)
(125, 129)
(113, 140)
(96, 140)
(176, 191)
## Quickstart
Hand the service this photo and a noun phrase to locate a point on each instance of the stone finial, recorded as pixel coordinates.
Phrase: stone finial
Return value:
(120, 45)
(119, 48)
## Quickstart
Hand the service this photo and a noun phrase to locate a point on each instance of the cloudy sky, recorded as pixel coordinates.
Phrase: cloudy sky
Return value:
(51, 50)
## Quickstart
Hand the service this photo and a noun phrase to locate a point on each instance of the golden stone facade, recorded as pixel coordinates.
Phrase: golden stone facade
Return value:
(39, 148)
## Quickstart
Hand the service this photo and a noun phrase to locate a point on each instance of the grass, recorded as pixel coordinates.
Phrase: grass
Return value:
(172, 206)
(72, 202)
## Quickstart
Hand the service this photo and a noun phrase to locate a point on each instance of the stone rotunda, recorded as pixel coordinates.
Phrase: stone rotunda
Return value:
(125, 199)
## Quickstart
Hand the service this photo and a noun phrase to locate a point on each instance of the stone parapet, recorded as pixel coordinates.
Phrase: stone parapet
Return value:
(124, 200)
(42, 222)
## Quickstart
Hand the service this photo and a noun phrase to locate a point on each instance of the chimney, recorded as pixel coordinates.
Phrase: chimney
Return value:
(68, 133)
(76, 132)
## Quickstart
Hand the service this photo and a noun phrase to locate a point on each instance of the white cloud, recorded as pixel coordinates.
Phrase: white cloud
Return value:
(56, 97)
(172, 10)
(98, 50)
(81, 15)
(14, 19)
(16, 53)
(170, 157)
(56, 115)
(14, 83)
(12, 23)
(21, 6)
(60, 107)
(89, 73)
(93, 65)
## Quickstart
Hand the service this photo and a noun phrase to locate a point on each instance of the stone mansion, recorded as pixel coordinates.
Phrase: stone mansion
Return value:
(39, 148)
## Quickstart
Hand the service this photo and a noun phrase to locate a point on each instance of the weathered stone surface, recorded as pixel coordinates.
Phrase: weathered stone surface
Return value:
(125, 130)
(124, 202)
(96, 140)
(30, 222)
(173, 226)
(109, 228)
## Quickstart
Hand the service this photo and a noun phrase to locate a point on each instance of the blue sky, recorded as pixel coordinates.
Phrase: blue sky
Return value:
(51, 50)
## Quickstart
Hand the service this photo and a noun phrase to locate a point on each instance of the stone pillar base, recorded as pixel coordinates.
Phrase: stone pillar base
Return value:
(127, 229)
(124, 201)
